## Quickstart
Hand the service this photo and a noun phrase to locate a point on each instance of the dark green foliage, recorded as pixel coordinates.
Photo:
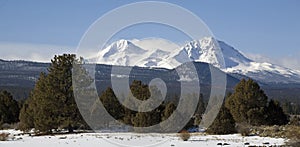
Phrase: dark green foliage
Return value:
(223, 124)
(140, 90)
(142, 118)
(168, 111)
(46, 107)
(146, 119)
(112, 104)
(257, 116)
(149, 118)
(9, 108)
(247, 102)
(52, 104)
(128, 113)
(26, 115)
(275, 114)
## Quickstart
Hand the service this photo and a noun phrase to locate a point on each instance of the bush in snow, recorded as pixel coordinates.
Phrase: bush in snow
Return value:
(4, 136)
(184, 135)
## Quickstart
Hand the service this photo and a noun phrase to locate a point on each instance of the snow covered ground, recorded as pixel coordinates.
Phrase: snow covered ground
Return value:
(133, 139)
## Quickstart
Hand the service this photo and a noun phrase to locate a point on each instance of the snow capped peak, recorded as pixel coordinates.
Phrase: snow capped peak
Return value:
(205, 50)
(119, 53)
(163, 53)
(123, 45)
(215, 52)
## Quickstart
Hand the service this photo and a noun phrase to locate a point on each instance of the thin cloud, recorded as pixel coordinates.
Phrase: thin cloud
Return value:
(291, 61)
(32, 52)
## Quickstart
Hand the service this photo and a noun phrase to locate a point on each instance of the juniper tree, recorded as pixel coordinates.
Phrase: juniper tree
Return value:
(9, 109)
(223, 124)
(275, 114)
(247, 102)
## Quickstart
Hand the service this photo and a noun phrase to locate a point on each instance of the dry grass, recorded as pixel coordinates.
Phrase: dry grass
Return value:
(184, 135)
(244, 129)
(4, 136)
(289, 131)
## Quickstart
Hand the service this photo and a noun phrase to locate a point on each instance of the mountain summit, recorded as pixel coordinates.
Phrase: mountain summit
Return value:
(208, 50)
(122, 52)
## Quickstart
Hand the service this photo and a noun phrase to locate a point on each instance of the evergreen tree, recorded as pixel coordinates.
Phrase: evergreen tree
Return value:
(52, 104)
(9, 109)
(26, 115)
(257, 116)
(247, 102)
(140, 90)
(223, 124)
(146, 119)
(275, 114)
(60, 85)
(128, 113)
(168, 111)
(46, 109)
(112, 104)
(149, 118)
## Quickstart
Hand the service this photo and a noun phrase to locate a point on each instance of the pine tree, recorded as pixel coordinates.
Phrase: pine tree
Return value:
(52, 104)
(45, 109)
(275, 114)
(257, 116)
(60, 85)
(223, 124)
(9, 109)
(140, 90)
(168, 111)
(112, 104)
(128, 113)
(149, 118)
(247, 101)
(26, 115)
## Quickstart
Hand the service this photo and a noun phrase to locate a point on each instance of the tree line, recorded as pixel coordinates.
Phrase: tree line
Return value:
(51, 105)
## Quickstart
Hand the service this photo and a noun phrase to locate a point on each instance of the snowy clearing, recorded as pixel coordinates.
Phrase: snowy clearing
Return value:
(133, 139)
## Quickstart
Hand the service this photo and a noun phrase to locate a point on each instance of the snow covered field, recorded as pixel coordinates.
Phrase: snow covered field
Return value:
(133, 139)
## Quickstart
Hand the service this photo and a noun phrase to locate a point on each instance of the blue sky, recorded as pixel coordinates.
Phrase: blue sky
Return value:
(266, 30)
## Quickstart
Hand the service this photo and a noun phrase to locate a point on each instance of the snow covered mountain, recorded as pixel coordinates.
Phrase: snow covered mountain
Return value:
(208, 49)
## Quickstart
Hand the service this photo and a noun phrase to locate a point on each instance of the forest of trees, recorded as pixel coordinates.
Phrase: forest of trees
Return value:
(51, 105)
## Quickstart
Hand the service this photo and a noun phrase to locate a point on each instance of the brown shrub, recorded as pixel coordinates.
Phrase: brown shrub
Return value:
(244, 129)
(184, 135)
(4, 136)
